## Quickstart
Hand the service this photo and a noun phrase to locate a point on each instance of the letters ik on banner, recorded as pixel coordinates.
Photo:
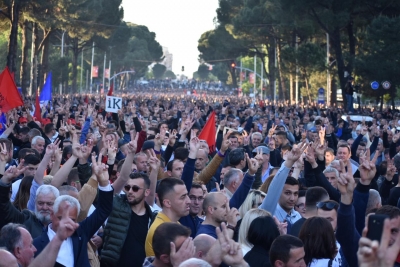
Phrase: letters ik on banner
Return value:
(113, 104)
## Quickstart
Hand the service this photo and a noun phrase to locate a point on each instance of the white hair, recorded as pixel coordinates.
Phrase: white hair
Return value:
(256, 133)
(331, 169)
(47, 189)
(232, 176)
(34, 139)
(194, 262)
(73, 203)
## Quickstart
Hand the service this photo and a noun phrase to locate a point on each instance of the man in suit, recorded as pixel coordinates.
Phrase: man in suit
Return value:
(73, 250)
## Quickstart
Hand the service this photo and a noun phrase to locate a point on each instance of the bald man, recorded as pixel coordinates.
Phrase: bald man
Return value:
(7, 259)
(203, 243)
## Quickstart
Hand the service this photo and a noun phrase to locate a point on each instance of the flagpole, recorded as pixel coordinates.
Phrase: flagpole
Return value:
(80, 91)
(104, 71)
(91, 70)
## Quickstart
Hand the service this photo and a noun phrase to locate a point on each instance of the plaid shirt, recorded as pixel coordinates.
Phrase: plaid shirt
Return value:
(148, 262)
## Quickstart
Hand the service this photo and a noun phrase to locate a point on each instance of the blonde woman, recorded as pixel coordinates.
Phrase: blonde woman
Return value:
(245, 225)
(252, 201)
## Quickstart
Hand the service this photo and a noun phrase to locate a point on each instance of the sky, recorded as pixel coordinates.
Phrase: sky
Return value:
(178, 25)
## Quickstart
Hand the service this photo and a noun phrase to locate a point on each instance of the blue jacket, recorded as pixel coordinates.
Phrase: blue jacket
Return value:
(193, 223)
(87, 228)
(347, 230)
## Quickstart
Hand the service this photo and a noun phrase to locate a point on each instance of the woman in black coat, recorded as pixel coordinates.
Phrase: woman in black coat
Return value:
(262, 233)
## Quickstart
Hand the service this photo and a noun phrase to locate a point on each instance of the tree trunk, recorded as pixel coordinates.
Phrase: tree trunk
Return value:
(308, 90)
(33, 87)
(271, 67)
(45, 57)
(337, 46)
(282, 87)
(13, 39)
(352, 46)
(24, 72)
(233, 75)
(75, 54)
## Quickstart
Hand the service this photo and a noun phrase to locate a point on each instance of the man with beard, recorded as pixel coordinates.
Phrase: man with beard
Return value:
(192, 221)
(126, 230)
(125, 233)
(34, 222)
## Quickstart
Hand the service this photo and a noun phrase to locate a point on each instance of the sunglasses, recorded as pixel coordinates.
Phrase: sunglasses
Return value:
(135, 188)
(327, 205)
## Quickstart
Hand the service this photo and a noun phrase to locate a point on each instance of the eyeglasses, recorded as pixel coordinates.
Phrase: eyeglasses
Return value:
(300, 206)
(135, 188)
(327, 205)
(194, 198)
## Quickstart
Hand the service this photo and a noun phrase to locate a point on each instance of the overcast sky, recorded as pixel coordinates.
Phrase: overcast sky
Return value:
(178, 25)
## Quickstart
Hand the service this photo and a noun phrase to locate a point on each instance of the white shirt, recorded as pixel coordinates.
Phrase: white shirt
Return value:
(66, 253)
(15, 188)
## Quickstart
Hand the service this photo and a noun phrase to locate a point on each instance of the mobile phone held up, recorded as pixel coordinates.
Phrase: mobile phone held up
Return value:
(375, 226)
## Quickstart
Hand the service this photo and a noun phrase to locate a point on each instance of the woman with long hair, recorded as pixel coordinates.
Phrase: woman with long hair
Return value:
(262, 232)
(319, 243)
(252, 201)
(22, 197)
(245, 225)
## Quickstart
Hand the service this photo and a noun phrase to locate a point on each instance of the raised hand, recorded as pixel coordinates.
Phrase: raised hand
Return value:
(272, 130)
(185, 252)
(154, 162)
(3, 152)
(100, 170)
(11, 173)
(346, 183)
(321, 135)
(253, 165)
(293, 155)
(132, 146)
(66, 226)
(232, 253)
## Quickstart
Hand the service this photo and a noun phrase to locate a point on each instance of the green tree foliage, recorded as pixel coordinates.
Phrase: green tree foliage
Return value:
(203, 72)
(169, 74)
(159, 70)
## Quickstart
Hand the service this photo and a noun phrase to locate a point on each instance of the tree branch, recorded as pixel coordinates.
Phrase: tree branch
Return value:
(47, 34)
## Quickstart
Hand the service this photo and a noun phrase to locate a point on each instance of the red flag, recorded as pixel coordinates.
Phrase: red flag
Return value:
(9, 95)
(86, 99)
(111, 90)
(208, 132)
(37, 113)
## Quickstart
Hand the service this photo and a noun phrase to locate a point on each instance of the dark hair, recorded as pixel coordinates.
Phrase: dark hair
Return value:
(23, 152)
(286, 147)
(382, 168)
(314, 195)
(181, 153)
(362, 143)
(66, 150)
(318, 238)
(137, 175)
(73, 176)
(166, 186)
(156, 131)
(262, 232)
(291, 181)
(236, 156)
(302, 193)
(391, 211)
(197, 186)
(31, 159)
(171, 164)
(22, 197)
(48, 128)
(344, 145)
(280, 248)
(318, 122)
(330, 150)
(10, 236)
(282, 133)
(165, 234)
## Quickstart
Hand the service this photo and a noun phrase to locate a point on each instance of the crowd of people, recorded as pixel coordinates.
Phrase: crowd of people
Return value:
(283, 185)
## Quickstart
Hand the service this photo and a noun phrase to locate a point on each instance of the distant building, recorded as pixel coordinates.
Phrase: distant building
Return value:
(168, 57)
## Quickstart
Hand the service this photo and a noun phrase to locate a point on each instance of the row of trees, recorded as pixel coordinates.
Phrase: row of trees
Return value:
(34, 30)
(291, 37)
